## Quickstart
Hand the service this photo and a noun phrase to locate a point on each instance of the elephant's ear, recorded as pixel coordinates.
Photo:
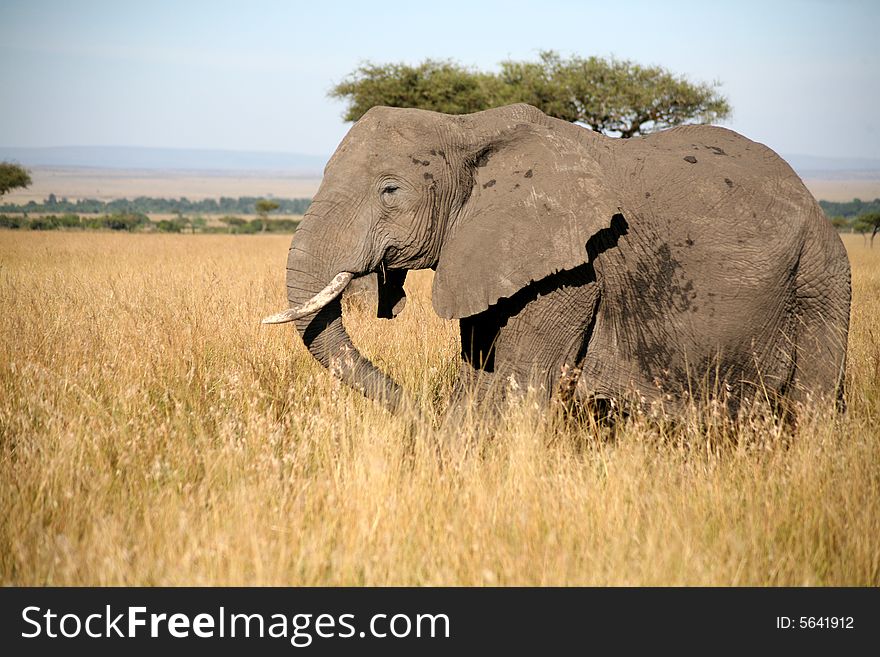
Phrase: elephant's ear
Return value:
(537, 198)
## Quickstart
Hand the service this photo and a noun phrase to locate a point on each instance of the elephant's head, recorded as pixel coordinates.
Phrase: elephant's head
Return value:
(492, 201)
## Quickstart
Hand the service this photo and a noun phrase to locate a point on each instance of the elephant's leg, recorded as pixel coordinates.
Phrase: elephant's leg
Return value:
(474, 392)
(533, 342)
(530, 343)
(823, 300)
(477, 388)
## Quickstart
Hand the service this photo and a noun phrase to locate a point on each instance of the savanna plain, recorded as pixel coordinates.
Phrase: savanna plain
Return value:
(152, 432)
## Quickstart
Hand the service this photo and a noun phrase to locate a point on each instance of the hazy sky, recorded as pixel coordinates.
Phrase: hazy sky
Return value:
(802, 76)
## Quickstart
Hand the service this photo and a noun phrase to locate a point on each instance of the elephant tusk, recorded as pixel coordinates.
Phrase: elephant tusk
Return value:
(321, 299)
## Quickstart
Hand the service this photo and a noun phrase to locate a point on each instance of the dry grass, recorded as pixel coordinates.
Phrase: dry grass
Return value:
(152, 432)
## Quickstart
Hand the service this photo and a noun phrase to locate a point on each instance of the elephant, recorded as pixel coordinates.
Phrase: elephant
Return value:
(686, 264)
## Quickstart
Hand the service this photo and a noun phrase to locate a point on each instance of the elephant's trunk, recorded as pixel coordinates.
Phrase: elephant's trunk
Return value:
(317, 259)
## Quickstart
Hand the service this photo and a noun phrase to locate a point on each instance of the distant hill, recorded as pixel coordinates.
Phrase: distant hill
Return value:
(189, 159)
(166, 159)
(812, 164)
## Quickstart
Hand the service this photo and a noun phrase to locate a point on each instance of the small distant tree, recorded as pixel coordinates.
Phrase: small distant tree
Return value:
(197, 222)
(861, 229)
(264, 207)
(13, 176)
(868, 223)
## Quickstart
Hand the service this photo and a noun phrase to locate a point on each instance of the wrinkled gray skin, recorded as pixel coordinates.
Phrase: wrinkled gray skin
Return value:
(685, 263)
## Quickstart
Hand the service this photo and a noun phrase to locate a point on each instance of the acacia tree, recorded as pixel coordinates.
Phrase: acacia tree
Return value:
(869, 222)
(616, 97)
(264, 207)
(13, 176)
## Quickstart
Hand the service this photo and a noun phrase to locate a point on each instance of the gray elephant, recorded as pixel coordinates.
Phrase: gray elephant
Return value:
(688, 263)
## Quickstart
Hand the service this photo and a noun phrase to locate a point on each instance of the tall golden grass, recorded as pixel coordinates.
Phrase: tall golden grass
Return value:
(153, 433)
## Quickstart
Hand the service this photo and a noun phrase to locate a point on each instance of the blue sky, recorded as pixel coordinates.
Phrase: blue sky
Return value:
(803, 76)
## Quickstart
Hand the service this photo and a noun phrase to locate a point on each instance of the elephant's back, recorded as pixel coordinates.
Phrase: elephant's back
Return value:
(715, 182)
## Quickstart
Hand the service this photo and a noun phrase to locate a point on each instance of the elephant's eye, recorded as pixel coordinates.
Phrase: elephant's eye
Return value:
(389, 189)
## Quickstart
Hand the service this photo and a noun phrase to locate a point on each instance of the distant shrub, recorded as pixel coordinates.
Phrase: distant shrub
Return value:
(43, 223)
(169, 226)
(238, 226)
(69, 220)
(136, 221)
(214, 230)
(248, 228)
(53, 222)
(10, 221)
(129, 221)
(232, 223)
(230, 206)
(840, 223)
(126, 221)
(282, 226)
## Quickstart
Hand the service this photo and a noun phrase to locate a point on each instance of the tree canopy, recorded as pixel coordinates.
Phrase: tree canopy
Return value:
(616, 97)
(441, 86)
(13, 176)
(265, 206)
